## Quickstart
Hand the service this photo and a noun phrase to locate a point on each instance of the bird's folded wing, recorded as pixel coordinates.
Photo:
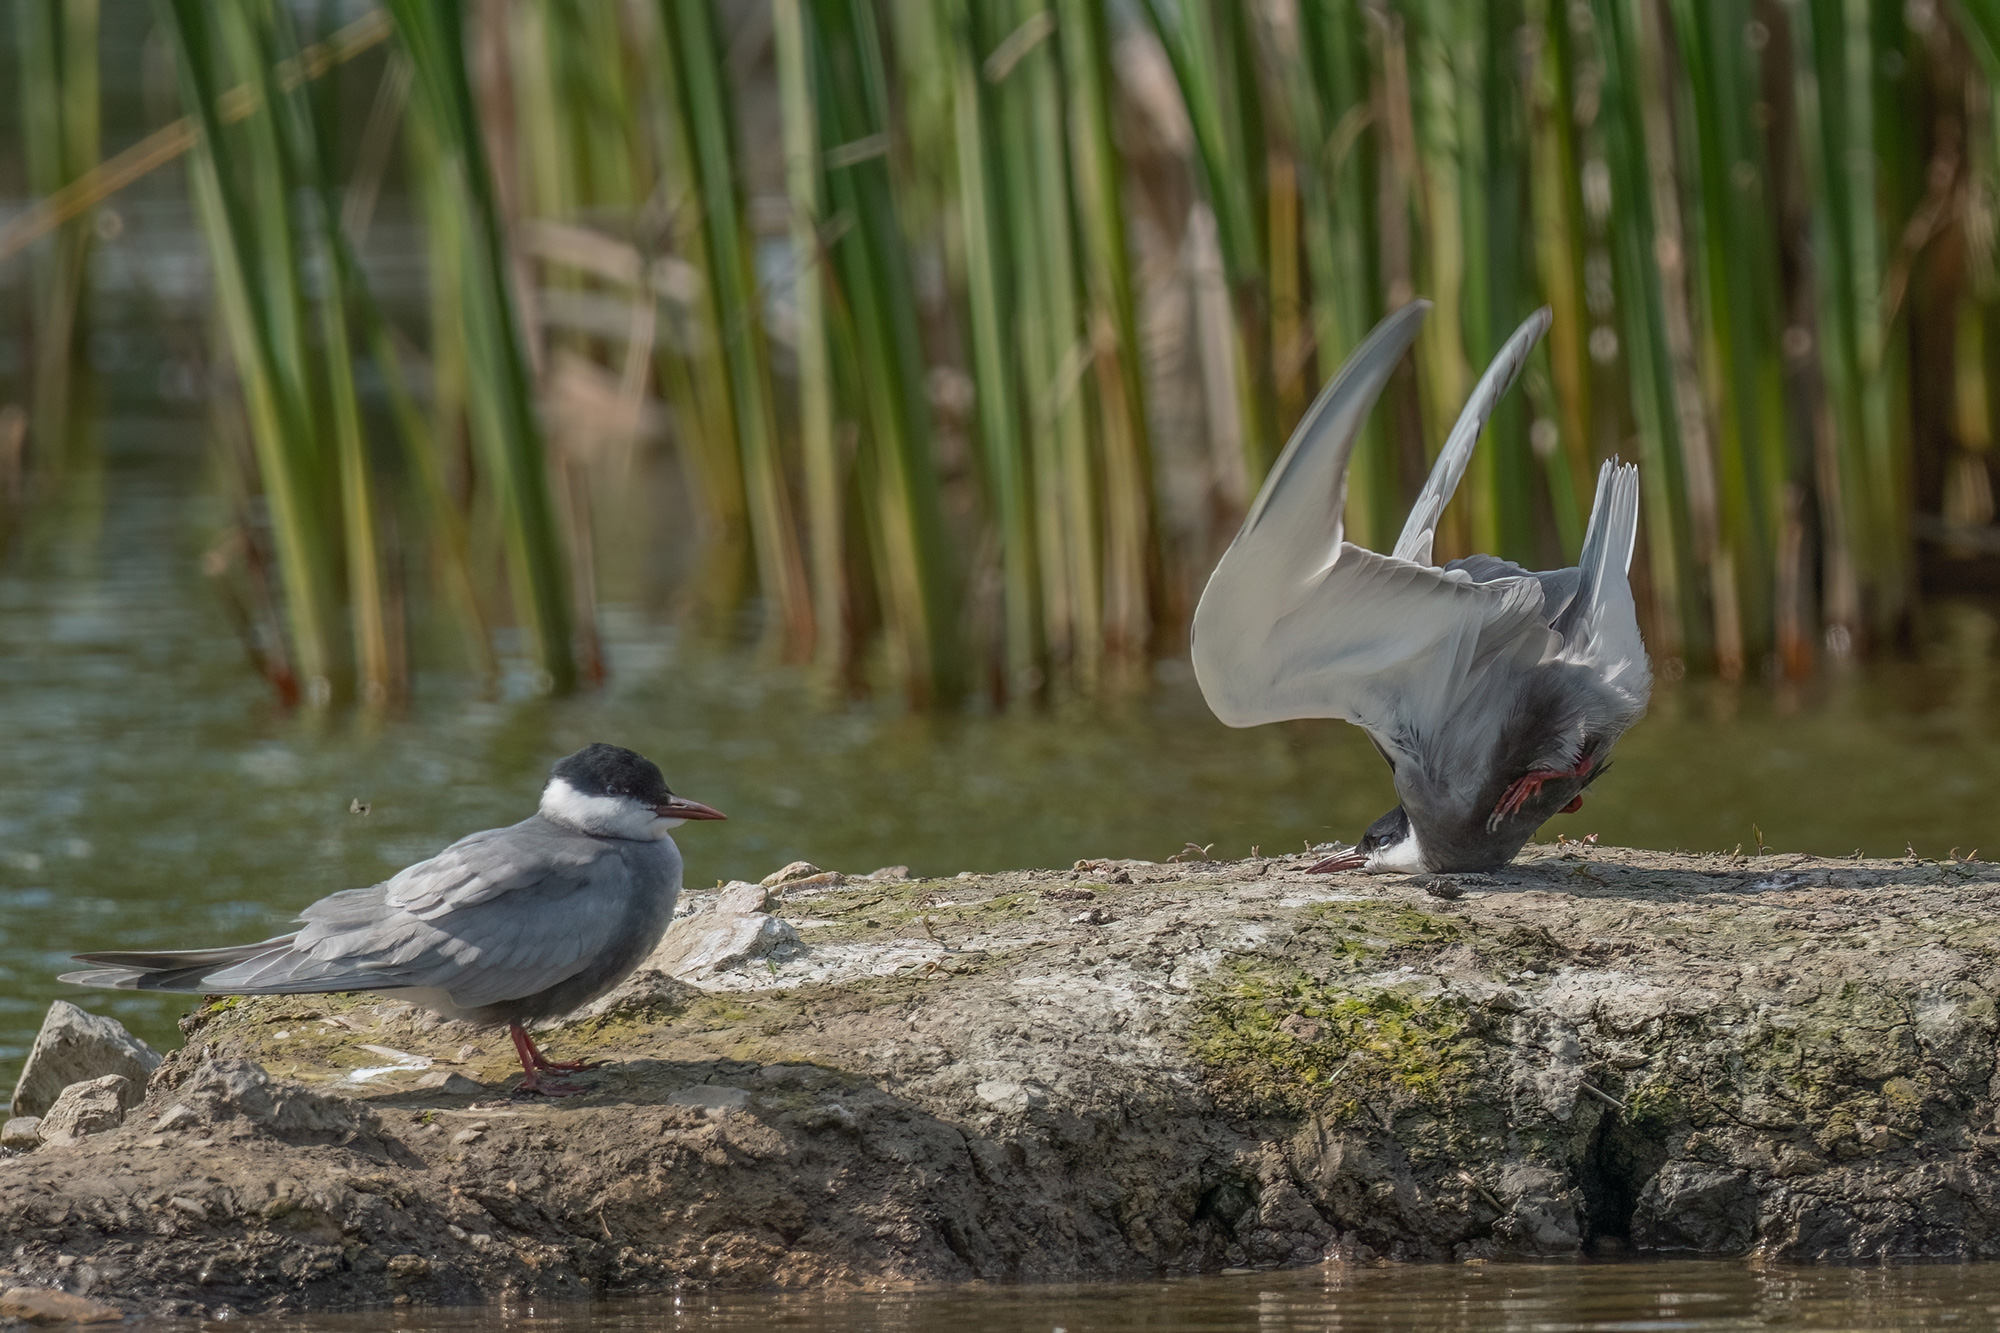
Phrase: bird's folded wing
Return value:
(480, 936)
(1378, 641)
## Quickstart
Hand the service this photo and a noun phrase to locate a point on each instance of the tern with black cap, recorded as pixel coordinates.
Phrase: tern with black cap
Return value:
(1495, 692)
(507, 926)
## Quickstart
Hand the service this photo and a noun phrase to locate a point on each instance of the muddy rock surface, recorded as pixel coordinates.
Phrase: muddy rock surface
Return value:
(1118, 1070)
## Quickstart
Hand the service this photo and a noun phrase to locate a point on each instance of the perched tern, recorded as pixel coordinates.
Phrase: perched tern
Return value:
(1495, 692)
(505, 926)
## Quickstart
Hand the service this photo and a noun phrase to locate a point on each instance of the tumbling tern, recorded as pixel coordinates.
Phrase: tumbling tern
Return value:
(505, 926)
(1495, 692)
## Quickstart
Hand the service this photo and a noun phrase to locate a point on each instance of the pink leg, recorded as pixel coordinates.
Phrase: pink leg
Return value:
(1525, 787)
(534, 1064)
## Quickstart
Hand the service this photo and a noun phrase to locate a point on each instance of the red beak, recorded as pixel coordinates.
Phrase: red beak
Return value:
(680, 807)
(1347, 860)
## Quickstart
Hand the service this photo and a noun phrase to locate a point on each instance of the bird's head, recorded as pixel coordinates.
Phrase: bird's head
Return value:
(1388, 847)
(616, 793)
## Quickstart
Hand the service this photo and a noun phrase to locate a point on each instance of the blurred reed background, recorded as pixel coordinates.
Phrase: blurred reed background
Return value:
(968, 327)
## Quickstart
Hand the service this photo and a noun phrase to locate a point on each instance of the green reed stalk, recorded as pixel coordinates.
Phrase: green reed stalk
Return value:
(693, 371)
(914, 565)
(240, 182)
(1843, 226)
(1058, 388)
(826, 521)
(502, 410)
(990, 304)
(1560, 231)
(1674, 625)
(1329, 95)
(705, 104)
(1736, 259)
(57, 51)
(1130, 555)
(1209, 45)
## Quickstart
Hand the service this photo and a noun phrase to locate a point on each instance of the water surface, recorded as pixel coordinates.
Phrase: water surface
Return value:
(1694, 1297)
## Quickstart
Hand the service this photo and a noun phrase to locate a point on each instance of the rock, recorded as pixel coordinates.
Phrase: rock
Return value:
(740, 897)
(177, 1116)
(46, 1305)
(19, 1135)
(1694, 1206)
(91, 1107)
(711, 942)
(450, 1084)
(225, 1090)
(889, 872)
(1238, 1068)
(74, 1046)
(796, 870)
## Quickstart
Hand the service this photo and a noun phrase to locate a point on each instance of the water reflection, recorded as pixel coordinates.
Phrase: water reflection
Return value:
(1497, 1298)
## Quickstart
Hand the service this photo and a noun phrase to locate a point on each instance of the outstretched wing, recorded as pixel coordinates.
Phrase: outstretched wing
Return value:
(1421, 527)
(1296, 622)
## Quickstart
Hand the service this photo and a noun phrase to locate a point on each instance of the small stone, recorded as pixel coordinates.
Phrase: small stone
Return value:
(194, 1208)
(1300, 1027)
(467, 1135)
(740, 898)
(1090, 916)
(19, 1133)
(450, 1084)
(1444, 888)
(467, 1051)
(408, 1266)
(180, 1113)
(85, 1108)
(889, 872)
(703, 944)
(1062, 893)
(75, 1046)
(45, 1305)
(795, 871)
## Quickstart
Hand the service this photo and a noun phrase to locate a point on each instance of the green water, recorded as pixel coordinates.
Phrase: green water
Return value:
(1497, 1298)
(151, 794)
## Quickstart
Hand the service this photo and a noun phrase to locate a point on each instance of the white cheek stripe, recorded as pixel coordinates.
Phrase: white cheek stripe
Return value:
(617, 816)
(1405, 855)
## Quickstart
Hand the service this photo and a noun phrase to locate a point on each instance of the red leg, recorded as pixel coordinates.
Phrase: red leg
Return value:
(1526, 786)
(534, 1064)
(1576, 804)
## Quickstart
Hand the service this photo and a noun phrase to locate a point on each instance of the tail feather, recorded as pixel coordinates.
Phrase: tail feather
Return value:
(1604, 603)
(205, 971)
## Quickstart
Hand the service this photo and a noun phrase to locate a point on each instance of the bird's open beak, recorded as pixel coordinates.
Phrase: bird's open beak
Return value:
(1347, 860)
(680, 807)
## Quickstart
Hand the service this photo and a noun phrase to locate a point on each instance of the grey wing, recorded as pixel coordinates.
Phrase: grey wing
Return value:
(1421, 527)
(497, 916)
(1296, 622)
(1378, 641)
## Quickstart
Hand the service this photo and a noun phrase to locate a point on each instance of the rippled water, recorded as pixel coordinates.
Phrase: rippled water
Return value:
(150, 793)
(1700, 1297)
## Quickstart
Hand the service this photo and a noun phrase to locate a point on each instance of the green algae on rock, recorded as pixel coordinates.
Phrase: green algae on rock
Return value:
(1114, 1071)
